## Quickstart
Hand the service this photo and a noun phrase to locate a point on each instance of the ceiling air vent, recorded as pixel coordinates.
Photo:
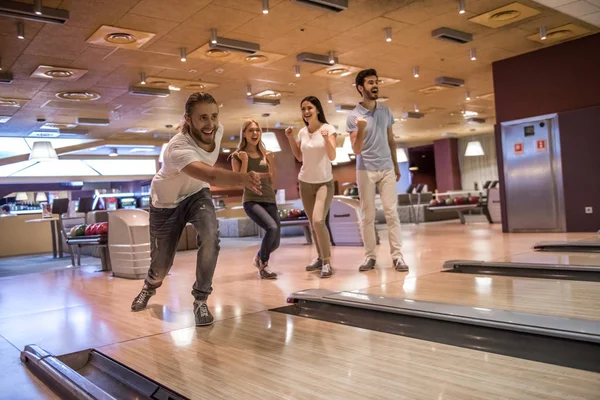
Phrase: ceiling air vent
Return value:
(331, 5)
(315, 59)
(449, 82)
(149, 91)
(261, 101)
(452, 35)
(93, 121)
(235, 45)
(413, 114)
(6, 77)
(476, 120)
(21, 10)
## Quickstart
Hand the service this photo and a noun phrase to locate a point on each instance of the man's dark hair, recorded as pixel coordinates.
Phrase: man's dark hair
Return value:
(360, 77)
(6, 208)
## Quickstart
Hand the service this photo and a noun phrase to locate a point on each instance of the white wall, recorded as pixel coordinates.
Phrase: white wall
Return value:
(481, 168)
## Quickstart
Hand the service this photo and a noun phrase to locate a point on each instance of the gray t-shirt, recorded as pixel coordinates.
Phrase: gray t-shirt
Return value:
(375, 155)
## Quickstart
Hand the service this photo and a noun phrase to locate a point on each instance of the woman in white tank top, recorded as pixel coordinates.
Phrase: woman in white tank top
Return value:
(315, 148)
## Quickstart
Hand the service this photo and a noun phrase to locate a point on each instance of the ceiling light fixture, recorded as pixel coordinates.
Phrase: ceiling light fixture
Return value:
(543, 33)
(461, 6)
(143, 78)
(43, 151)
(416, 107)
(473, 54)
(20, 30)
(213, 36)
(183, 54)
(37, 7)
(113, 152)
(416, 71)
(329, 98)
(297, 71)
(248, 90)
(474, 149)
(388, 34)
(265, 6)
(332, 57)
(468, 96)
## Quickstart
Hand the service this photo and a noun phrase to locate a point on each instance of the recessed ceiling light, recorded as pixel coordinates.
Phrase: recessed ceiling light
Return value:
(120, 38)
(338, 71)
(4, 119)
(256, 58)
(268, 94)
(58, 73)
(216, 53)
(505, 15)
(78, 96)
(138, 130)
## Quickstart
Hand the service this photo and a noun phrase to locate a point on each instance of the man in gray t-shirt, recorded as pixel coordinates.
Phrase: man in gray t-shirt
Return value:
(370, 129)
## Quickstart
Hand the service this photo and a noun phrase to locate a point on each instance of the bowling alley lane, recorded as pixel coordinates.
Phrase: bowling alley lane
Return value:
(270, 355)
(563, 298)
(560, 258)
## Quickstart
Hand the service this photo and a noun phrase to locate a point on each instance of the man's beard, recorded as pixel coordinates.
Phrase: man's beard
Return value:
(372, 96)
(198, 135)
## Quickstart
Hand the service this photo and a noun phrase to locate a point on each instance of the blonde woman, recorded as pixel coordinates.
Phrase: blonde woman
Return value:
(251, 155)
(315, 148)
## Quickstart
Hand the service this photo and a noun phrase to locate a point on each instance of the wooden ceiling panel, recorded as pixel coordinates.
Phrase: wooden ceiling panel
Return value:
(66, 42)
(94, 13)
(417, 12)
(159, 27)
(147, 59)
(356, 35)
(296, 40)
(359, 13)
(172, 10)
(251, 6)
(198, 26)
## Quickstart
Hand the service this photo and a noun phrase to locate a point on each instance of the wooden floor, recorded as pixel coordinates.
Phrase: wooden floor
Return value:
(73, 309)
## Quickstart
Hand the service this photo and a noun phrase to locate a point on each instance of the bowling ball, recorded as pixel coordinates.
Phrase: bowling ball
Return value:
(347, 192)
(73, 231)
(441, 203)
(449, 202)
(433, 203)
(102, 228)
(459, 201)
(302, 214)
(80, 231)
(285, 213)
(294, 213)
(354, 192)
(474, 200)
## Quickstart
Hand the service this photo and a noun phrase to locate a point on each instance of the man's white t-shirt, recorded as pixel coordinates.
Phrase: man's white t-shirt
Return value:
(170, 185)
(316, 166)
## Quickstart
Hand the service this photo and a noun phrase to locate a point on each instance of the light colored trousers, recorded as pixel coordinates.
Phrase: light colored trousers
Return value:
(316, 199)
(385, 181)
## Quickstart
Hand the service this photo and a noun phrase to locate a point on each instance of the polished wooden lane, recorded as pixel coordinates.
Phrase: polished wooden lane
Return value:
(73, 309)
(275, 356)
(571, 299)
(80, 308)
(562, 258)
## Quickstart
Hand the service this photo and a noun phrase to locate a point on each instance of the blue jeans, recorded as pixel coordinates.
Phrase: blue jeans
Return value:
(166, 226)
(265, 215)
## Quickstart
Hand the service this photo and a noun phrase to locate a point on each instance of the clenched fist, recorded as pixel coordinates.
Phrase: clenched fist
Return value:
(288, 131)
(361, 123)
(243, 155)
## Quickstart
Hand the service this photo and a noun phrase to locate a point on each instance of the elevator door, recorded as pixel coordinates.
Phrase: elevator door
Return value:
(530, 172)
